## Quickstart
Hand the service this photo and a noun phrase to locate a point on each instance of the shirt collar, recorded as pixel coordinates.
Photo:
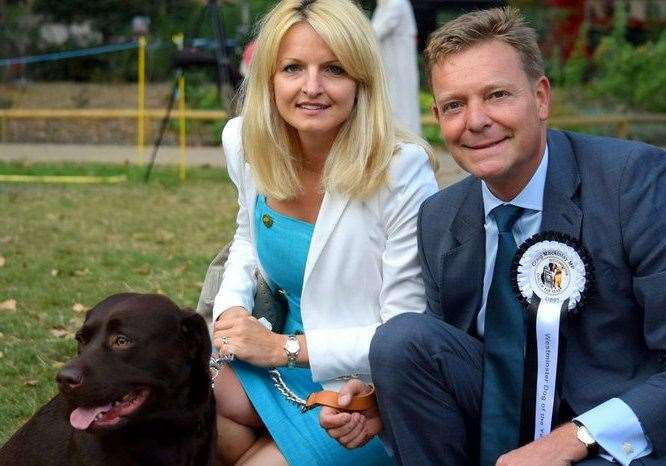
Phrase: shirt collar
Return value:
(531, 197)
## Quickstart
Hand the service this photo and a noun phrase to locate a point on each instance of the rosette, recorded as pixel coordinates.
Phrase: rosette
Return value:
(552, 277)
(555, 267)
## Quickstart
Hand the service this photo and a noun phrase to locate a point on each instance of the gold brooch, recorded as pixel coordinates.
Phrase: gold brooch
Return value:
(267, 220)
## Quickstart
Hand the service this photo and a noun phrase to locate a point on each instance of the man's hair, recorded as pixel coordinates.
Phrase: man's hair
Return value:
(359, 161)
(504, 24)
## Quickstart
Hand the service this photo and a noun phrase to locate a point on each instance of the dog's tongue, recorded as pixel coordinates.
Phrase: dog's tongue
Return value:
(81, 418)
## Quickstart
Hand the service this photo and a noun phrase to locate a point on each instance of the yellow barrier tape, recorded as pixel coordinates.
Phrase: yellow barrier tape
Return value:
(63, 179)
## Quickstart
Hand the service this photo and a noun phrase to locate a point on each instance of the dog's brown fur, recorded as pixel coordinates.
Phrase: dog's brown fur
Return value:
(128, 342)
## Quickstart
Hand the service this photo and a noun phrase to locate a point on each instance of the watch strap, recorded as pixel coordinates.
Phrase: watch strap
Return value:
(292, 356)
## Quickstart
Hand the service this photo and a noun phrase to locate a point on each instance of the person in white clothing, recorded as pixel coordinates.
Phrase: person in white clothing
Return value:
(328, 195)
(395, 28)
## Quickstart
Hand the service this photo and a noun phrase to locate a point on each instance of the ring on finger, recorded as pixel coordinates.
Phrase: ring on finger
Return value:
(225, 340)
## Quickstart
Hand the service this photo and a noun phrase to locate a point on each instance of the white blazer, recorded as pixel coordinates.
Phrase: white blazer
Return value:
(361, 269)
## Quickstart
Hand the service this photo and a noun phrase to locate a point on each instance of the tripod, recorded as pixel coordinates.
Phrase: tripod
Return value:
(186, 59)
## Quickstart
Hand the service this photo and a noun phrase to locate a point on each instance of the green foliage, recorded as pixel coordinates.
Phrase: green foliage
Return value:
(201, 94)
(425, 103)
(620, 19)
(432, 134)
(621, 75)
(577, 66)
(555, 66)
(631, 76)
(653, 20)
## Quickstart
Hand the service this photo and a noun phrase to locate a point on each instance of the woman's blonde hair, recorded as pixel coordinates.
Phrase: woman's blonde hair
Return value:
(359, 160)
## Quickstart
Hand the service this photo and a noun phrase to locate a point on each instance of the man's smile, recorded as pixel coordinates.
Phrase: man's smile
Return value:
(485, 145)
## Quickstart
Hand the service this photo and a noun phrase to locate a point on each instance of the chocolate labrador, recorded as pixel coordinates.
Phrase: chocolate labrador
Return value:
(138, 392)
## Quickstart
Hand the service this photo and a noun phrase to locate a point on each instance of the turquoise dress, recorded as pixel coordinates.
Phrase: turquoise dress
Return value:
(282, 247)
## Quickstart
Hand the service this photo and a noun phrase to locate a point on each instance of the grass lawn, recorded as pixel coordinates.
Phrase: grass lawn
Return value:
(65, 247)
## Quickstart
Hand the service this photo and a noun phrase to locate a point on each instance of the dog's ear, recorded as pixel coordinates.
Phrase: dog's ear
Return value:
(195, 333)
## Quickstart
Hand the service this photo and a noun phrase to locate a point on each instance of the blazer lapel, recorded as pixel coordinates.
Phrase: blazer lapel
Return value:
(250, 199)
(560, 211)
(463, 266)
(329, 215)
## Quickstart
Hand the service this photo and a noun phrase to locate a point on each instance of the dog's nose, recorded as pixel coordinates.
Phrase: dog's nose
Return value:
(69, 377)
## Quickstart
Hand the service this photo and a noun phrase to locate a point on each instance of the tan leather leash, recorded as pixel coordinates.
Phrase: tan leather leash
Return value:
(330, 398)
(322, 398)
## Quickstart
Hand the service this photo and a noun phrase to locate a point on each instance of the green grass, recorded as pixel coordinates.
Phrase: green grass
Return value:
(65, 245)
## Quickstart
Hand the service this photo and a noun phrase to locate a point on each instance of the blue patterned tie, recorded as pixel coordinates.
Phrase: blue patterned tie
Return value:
(504, 345)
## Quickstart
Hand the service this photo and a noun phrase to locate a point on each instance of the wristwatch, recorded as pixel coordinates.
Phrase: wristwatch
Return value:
(292, 347)
(584, 435)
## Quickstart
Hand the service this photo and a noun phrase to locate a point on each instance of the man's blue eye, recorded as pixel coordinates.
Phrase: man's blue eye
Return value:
(451, 106)
(499, 94)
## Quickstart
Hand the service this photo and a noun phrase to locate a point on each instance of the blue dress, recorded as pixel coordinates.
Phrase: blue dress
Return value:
(282, 247)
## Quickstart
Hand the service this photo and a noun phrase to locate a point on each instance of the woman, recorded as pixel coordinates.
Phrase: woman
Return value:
(328, 199)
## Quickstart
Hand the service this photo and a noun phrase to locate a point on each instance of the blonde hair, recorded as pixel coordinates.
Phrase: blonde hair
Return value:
(504, 24)
(359, 159)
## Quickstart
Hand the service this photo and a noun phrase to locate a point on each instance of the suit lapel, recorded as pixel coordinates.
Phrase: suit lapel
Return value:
(332, 207)
(469, 218)
(463, 266)
(560, 212)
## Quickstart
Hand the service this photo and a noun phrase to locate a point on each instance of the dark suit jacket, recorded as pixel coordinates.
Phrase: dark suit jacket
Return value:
(611, 195)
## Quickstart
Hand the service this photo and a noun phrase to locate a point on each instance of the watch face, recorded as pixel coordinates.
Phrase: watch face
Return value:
(584, 436)
(292, 345)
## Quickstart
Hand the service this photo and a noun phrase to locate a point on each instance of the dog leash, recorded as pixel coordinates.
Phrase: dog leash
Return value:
(322, 398)
(216, 364)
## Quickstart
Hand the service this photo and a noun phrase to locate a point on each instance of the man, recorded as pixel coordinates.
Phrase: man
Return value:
(441, 397)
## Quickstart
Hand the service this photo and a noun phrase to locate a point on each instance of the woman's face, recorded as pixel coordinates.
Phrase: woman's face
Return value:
(313, 92)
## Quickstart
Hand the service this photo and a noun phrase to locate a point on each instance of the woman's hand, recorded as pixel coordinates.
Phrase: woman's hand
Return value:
(237, 332)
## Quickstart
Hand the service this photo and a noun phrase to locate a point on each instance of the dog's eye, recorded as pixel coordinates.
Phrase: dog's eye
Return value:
(120, 341)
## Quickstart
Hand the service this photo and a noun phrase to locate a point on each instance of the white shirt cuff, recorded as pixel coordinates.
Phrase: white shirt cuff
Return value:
(617, 430)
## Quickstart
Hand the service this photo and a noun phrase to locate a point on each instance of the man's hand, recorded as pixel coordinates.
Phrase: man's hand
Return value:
(560, 448)
(351, 430)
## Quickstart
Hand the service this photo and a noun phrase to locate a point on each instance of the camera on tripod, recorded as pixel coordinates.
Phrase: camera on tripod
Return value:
(202, 53)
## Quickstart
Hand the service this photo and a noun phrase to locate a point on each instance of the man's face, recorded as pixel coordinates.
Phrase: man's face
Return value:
(491, 115)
